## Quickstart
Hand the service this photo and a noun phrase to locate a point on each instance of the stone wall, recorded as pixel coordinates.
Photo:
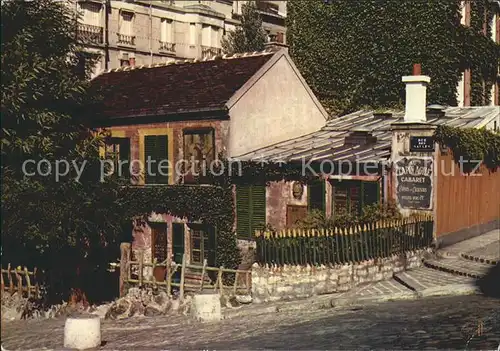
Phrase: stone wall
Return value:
(291, 282)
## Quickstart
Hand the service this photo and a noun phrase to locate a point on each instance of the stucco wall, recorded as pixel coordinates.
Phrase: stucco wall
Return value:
(276, 108)
(278, 196)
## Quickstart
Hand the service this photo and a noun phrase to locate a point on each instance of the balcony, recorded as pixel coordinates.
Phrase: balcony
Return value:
(167, 47)
(125, 39)
(209, 52)
(90, 34)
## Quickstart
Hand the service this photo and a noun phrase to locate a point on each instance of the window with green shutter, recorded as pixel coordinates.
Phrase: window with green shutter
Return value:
(352, 195)
(156, 151)
(316, 196)
(250, 209)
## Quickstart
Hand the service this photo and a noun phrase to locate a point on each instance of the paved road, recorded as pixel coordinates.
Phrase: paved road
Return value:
(431, 323)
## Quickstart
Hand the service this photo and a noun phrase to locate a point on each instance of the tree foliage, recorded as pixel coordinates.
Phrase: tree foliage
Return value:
(55, 224)
(353, 53)
(249, 36)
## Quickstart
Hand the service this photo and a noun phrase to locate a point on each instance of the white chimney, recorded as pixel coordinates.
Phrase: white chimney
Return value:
(416, 90)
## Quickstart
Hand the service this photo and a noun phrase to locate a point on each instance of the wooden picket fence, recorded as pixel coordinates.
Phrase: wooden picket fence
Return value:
(190, 278)
(20, 280)
(341, 245)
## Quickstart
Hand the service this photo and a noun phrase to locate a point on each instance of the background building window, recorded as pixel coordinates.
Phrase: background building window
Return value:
(166, 31)
(250, 209)
(192, 34)
(126, 23)
(156, 150)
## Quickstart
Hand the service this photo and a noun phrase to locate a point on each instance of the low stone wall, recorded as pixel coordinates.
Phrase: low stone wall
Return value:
(290, 282)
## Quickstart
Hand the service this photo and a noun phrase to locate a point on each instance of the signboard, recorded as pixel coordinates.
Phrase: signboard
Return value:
(414, 182)
(421, 144)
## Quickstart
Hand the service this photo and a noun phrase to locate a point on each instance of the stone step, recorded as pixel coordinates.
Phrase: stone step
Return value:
(459, 266)
(423, 278)
(489, 254)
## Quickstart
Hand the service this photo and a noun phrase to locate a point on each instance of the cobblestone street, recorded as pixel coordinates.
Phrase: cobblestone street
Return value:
(431, 323)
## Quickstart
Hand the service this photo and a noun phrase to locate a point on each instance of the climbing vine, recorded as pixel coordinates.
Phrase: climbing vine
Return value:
(353, 53)
(211, 203)
(469, 144)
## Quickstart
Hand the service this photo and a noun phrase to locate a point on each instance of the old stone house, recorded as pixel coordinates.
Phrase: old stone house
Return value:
(357, 157)
(190, 111)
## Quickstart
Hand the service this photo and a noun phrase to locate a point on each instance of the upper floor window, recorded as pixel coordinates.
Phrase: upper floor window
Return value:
(118, 150)
(192, 34)
(199, 152)
(157, 167)
(90, 13)
(166, 31)
(126, 23)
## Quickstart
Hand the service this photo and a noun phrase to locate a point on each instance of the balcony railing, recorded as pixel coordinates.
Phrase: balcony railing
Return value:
(90, 34)
(166, 46)
(208, 51)
(126, 39)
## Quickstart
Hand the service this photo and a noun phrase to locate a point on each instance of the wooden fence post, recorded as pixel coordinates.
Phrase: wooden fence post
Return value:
(19, 282)
(141, 267)
(124, 266)
(28, 283)
(183, 272)
(203, 273)
(219, 280)
(3, 284)
(169, 277)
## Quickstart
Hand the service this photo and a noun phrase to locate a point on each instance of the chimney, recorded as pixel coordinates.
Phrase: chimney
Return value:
(360, 137)
(416, 90)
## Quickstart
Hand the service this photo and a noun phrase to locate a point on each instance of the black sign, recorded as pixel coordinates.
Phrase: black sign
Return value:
(422, 144)
(414, 183)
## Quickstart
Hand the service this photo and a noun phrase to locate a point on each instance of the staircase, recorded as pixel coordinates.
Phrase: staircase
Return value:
(470, 258)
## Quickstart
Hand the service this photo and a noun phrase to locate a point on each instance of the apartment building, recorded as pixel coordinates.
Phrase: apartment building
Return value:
(148, 32)
(464, 85)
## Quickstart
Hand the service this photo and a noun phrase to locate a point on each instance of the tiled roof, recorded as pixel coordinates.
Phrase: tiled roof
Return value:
(328, 143)
(175, 87)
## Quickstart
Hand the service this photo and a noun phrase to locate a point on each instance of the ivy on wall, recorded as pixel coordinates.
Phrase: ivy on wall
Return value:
(469, 144)
(482, 60)
(353, 53)
(212, 203)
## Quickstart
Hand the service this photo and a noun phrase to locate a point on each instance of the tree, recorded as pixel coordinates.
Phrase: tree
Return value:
(249, 36)
(55, 224)
(353, 53)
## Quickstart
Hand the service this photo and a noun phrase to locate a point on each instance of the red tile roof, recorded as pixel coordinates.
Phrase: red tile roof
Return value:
(175, 88)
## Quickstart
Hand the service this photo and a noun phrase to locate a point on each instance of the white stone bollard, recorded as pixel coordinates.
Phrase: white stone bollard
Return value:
(206, 307)
(82, 332)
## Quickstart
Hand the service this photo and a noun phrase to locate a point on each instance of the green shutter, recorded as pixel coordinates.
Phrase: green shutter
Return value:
(161, 155)
(243, 211)
(125, 156)
(212, 244)
(178, 241)
(149, 151)
(258, 219)
(155, 147)
(316, 196)
(370, 193)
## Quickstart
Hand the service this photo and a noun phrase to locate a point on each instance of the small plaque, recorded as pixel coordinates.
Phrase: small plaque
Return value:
(421, 144)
